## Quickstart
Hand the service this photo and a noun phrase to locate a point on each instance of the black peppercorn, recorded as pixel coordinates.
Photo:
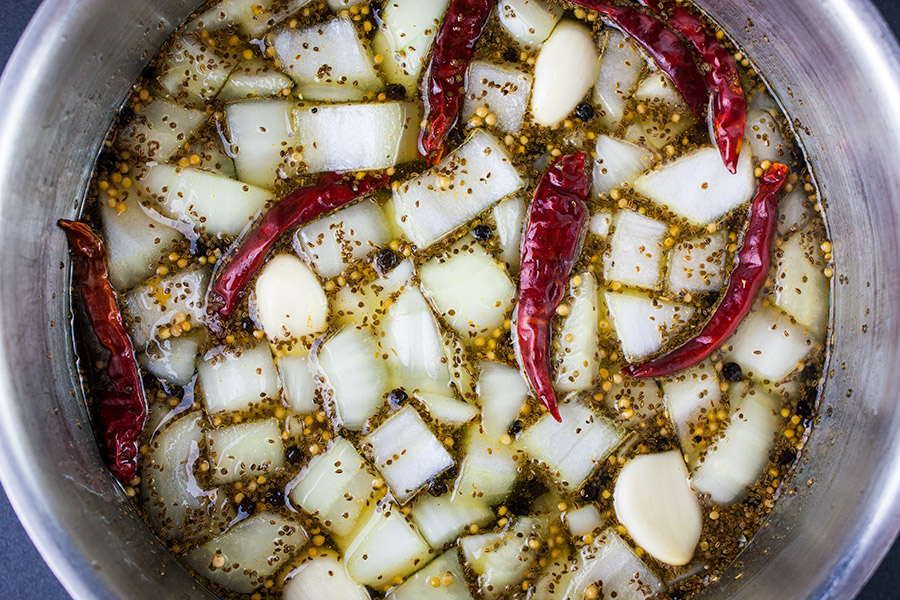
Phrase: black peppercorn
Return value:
(395, 91)
(482, 233)
(396, 398)
(275, 497)
(387, 259)
(247, 506)
(591, 491)
(511, 54)
(293, 454)
(515, 428)
(438, 487)
(584, 111)
(732, 372)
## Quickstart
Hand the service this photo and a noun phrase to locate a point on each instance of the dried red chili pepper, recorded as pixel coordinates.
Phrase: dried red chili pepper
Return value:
(446, 87)
(746, 279)
(123, 407)
(669, 51)
(331, 191)
(555, 223)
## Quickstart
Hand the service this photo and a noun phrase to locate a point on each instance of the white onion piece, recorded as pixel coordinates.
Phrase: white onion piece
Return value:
(357, 137)
(322, 576)
(509, 217)
(621, 65)
(584, 521)
(212, 157)
(565, 70)
(262, 140)
(636, 250)
(633, 401)
(441, 520)
(610, 560)
(238, 379)
(408, 29)
(529, 22)
(658, 90)
(193, 71)
(327, 60)
(160, 130)
(353, 376)
(698, 264)
(446, 409)
(470, 180)
(655, 503)
(765, 138)
(245, 450)
(488, 472)
(384, 546)
(299, 388)
(502, 392)
(289, 302)
(500, 560)
(366, 305)
(644, 324)
(657, 133)
(502, 90)
(406, 453)
(600, 224)
(251, 17)
(617, 162)
(485, 300)
(335, 487)
(337, 5)
(795, 211)
(691, 395)
(801, 287)
(420, 587)
(768, 345)
(578, 340)
(156, 303)
(573, 449)
(254, 78)
(174, 359)
(253, 550)
(736, 460)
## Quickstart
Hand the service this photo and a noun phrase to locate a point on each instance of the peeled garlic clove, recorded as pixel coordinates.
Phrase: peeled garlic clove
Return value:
(654, 501)
(290, 302)
(564, 72)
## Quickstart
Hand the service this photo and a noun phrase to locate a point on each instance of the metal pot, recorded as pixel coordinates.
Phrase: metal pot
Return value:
(832, 63)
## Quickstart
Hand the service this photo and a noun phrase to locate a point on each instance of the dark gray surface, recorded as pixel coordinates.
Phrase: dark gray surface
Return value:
(25, 576)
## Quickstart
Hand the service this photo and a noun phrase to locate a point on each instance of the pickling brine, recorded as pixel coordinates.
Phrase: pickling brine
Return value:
(459, 299)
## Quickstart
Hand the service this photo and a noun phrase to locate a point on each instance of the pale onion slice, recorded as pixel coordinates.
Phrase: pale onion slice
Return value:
(329, 61)
(570, 451)
(206, 201)
(502, 90)
(251, 17)
(691, 397)
(420, 586)
(735, 461)
(658, 91)
(565, 70)
(657, 132)
(556, 575)
(446, 409)
(488, 471)
(357, 137)
(135, 241)
(298, 385)
(621, 65)
(289, 303)
(411, 338)
(509, 218)
(174, 359)
(578, 339)
(502, 392)
(617, 162)
(404, 39)
(254, 78)
(160, 130)
(238, 378)
(765, 138)
(636, 251)
(352, 375)
(655, 503)
(322, 576)
(600, 224)
(406, 453)
(337, 5)
(212, 156)
(441, 520)
(336, 241)
(698, 186)
(801, 288)
(584, 521)
(529, 22)
(633, 401)
(384, 547)
(156, 303)
(443, 198)
(335, 488)
(481, 305)
(245, 451)
(253, 550)
(365, 305)
(463, 376)
(194, 72)
(174, 499)
(795, 211)
(768, 345)
(644, 324)
(500, 560)
(262, 140)
(698, 264)
(610, 560)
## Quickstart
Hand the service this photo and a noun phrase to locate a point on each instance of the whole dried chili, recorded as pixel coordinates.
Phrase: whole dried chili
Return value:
(123, 407)
(746, 279)
(445, 89)
(331, 191)
(727, 102)
(556, 220)
(669, 51)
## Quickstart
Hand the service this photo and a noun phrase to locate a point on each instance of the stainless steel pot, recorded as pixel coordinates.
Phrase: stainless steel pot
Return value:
(834, 65)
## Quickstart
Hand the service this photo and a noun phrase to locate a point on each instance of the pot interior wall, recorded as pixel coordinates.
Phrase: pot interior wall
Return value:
(831, 62)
